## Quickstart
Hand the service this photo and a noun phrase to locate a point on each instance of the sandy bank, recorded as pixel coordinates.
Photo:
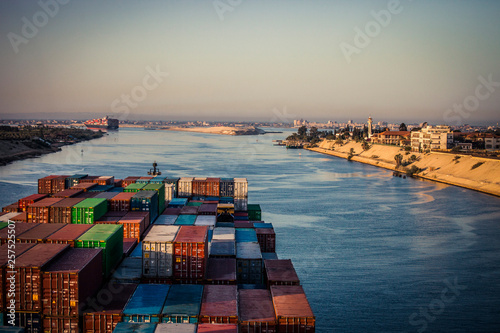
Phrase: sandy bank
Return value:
(221, 130)
(11, 151)
(439, 167)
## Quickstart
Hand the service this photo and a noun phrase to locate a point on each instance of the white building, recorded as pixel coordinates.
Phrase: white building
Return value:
(433, 138)
(492, 144)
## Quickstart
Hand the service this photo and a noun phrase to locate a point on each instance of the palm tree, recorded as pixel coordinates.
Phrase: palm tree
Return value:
(399, 159)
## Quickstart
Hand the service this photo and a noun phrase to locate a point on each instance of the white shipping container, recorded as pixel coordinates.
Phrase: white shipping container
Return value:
(240, 205)
(169, 191)
(221, 233)
(175, 328)
(8, 216)
(185, 187)
(240, 188)
(157, 251)
(166, 219)
(206, 220)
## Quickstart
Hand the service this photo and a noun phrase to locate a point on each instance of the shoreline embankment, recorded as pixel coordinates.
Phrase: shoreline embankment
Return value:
(474, 173)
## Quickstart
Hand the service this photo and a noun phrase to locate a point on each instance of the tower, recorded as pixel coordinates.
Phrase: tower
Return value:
(370, 122)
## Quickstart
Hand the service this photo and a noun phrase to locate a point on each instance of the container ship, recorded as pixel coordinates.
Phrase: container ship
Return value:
(102, 123)
(149, 254)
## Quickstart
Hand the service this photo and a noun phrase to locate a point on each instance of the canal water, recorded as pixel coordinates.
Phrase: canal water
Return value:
(374, 253)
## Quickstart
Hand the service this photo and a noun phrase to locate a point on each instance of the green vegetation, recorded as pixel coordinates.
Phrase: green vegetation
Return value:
(399, 159)
(413, 170)
(477, 165)
(314, 136)
(365, 145)
(456, 159)
(351, 154)
(413, 158)
(375, 156)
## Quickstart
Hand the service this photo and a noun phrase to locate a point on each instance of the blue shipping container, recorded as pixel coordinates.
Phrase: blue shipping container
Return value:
(137, 253)
(74, 180)
(145, 201)
(226, 187)
(146, 303)
(261, 225)
(228, 200)
(101, 188)
(183, 304)
(177, 202)
(185, 220)
(244, 235)
(135, 328)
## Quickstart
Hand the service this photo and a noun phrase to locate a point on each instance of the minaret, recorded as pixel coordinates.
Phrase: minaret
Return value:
(370, 122)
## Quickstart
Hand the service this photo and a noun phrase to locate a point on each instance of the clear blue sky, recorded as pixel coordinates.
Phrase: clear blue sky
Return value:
(242, 61)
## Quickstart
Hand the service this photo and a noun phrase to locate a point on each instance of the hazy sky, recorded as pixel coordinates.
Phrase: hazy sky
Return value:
(240, 59)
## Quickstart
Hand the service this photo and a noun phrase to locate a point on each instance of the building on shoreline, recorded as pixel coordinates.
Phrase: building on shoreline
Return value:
(432, 138)
(398, 138)
(492, 143)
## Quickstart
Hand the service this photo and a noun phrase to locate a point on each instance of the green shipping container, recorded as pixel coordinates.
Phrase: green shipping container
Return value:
(134, 187)
(3, 224)
(108, 237)
(185, 220)
(254, 212)
(160, 188)
(89, 210)
(195, 204)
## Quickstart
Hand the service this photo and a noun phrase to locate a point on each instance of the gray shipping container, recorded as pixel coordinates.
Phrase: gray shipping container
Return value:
(224, 234)
(248, 263)
(129, 271)
(240, 205)
(208, 220)
(175, 328)
(166, 220)
(157, 251)
(222, 249)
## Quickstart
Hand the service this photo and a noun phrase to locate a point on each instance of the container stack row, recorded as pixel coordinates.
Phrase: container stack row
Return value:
(206, 263)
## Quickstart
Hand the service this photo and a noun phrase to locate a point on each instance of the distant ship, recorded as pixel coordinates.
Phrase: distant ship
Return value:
(102, 123)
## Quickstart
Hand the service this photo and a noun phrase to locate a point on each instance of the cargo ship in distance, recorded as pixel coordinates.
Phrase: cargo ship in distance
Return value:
(102, 123)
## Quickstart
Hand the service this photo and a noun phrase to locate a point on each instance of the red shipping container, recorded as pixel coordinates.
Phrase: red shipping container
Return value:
(189, 210)
(12, 208)
(219, 305)
(121, 201)
(190, 253)
(129, 180)
(39, 233)
(243, 224)
(86, 195)
(212, 187)
(85, 186)
(88, 179)
(21, 217)
(68, 234)
(29, 267)
(105, 180)
(134, 224)
(171, 211)
(69, 280)
(69, 193)
(267, 239)
(58, 184)
(256, 311)
(292, 309)
(26, 201)
(117, 182)
(217, 328)
(4, 261)
(45, 184)
(119, 214)
(128, 246)
(60, 212)
(104, 317)
(60, 324)
(208, 209)
(199, 187)
(281, 272)
(39, 212)
(20, 229)
(221, 271)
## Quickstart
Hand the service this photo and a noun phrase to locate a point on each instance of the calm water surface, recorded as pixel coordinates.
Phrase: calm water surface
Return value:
(374, 253)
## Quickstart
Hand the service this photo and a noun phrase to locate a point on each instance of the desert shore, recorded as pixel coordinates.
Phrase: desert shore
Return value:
(436, 166)
(221, 130)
